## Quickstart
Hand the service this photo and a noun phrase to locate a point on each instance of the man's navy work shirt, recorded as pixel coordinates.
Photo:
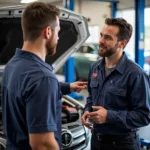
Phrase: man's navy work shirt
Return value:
(125, 93)
(31, 100)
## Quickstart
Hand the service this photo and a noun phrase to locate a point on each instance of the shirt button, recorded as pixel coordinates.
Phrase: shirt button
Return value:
(111, 81)
(114, 143)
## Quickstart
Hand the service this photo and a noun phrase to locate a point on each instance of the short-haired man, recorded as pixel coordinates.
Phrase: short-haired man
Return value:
(119, 92)
(31, 94)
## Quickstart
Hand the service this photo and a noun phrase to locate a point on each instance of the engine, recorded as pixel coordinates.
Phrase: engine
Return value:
(69, 114)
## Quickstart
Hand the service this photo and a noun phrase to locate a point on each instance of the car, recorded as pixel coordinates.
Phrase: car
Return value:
(73, 33)
(84, 57)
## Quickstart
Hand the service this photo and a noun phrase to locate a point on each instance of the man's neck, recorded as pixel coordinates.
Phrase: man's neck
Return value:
(36, 48)
(113, 60)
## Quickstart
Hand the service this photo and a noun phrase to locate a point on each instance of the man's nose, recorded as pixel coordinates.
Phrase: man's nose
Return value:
(101, 40)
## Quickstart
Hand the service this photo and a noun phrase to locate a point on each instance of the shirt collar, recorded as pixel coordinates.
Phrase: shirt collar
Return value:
(120, 66)
(32, 56)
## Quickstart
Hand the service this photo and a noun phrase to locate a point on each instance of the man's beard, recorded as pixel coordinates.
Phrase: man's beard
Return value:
(51, 46)
(107, 52)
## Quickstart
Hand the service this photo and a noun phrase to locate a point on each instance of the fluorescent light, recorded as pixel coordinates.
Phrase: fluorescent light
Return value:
(28, 1)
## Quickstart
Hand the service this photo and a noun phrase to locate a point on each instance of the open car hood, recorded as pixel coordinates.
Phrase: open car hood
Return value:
(73, 33)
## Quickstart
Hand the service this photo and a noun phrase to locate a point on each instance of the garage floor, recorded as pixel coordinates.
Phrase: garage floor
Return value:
(143, 132)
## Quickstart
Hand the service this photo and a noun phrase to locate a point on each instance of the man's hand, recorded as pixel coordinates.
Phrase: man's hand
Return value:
(78, 86)
(84, 120)
(99, 116)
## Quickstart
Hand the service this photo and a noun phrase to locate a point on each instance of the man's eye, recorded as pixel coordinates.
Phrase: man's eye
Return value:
(108, 37)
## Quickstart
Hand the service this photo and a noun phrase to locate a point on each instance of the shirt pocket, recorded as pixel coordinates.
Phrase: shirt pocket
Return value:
(117, 90)
(115, 97)
(94, 83)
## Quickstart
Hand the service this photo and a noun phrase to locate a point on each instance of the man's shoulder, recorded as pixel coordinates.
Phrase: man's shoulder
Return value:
(134, 69)
(29, 72)
(133, 66)
(40, 74)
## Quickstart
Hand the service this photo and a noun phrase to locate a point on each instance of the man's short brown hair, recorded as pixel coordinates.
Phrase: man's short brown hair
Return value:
(125, 29)
(36, 17)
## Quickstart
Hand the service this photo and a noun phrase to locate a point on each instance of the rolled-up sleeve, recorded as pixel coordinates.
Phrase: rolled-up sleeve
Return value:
(41, 104)
(139, 100)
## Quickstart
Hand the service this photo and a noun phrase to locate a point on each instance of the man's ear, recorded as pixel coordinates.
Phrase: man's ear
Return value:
(122, 43)
(47, 32)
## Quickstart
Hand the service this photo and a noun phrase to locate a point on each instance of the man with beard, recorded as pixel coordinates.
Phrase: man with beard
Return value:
(31, 94)
(119, 92)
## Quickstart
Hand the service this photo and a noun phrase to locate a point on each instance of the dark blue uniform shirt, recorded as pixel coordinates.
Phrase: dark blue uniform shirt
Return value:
(31, 100)
(125, 93)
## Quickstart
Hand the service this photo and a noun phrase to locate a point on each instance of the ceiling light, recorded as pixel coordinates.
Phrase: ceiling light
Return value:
(28, 1)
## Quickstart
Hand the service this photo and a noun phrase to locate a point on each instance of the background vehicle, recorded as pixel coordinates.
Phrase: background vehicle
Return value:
(74, 32)
(84, 57)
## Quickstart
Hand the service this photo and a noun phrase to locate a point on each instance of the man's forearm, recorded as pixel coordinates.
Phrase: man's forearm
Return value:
(53, 145)
(128, 119)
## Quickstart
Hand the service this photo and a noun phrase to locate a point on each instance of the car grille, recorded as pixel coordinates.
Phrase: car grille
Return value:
(73, 126)
(2, 141)
(79, 138)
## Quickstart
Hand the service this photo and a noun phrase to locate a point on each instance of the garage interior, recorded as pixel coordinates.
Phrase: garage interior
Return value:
(138, 49)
